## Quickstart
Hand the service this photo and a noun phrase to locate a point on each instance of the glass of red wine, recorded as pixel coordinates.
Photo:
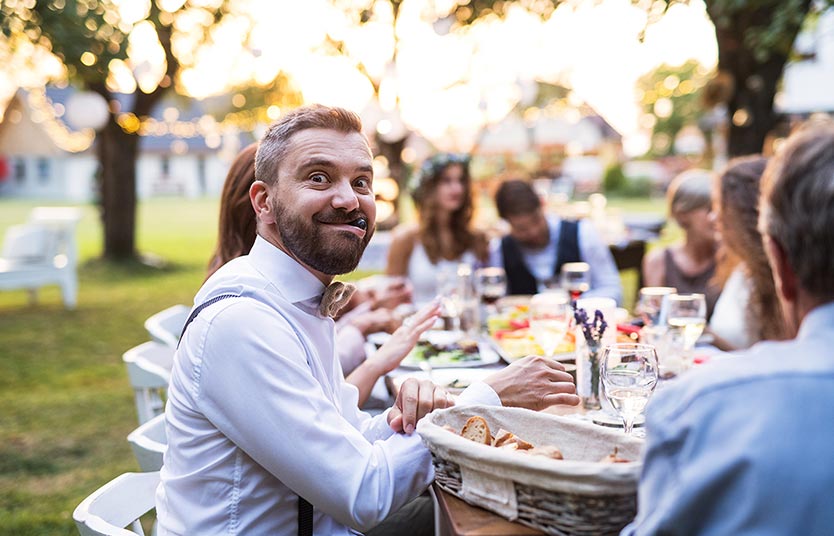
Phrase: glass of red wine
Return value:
(576, 278)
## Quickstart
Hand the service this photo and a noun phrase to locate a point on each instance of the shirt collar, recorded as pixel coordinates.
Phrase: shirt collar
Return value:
(293, 280)
(816, 321)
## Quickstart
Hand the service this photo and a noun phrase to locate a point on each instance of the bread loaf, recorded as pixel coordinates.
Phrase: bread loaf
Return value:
(476, 429)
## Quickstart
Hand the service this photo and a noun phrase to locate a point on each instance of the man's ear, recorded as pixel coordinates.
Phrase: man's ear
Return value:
(259, 195)
(784, 276)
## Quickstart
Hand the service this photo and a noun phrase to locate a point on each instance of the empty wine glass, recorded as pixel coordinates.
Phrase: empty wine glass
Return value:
(686, 316)
(650, 302)
(629, 375)
(452, 282)
(549, 320)
(576, 278)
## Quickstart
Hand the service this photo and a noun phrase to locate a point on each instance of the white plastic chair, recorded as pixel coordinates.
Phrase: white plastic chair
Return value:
(149, 443)
(166, 325)
(42, 252)
(117, 504)
(149, 370)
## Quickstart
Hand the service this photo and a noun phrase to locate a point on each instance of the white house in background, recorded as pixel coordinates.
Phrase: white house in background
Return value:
(808, 84)
(42, 157)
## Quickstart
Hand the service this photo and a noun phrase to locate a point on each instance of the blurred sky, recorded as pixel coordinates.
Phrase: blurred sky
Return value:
(447, 85)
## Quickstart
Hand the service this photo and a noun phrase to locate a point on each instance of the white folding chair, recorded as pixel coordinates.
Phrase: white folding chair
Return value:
(149, 443)
(116, 505)
(149, 369)
(166, 325)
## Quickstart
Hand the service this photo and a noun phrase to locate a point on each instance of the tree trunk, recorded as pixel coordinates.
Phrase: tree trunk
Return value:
(750, 104)
(117, 160)
(393, 152)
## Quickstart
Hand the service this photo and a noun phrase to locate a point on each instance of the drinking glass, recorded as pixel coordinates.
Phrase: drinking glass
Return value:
(650, 302)
(629, 375)
(491, 284)
(452, 282)
(576, 278)
(686, 316)
(550, 315)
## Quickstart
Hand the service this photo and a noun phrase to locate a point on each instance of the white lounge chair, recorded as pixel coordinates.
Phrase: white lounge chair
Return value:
(149, 369)
(149, 443)
(166, 325)
(116, 505)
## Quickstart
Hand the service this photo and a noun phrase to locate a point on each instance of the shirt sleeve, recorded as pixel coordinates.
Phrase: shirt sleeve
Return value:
(258, 390)
(605, 278)
(350, 345)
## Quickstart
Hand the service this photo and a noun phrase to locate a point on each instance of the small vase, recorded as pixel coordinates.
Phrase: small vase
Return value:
(588, 381)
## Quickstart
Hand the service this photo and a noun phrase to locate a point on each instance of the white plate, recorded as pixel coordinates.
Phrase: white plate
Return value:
(486, 352)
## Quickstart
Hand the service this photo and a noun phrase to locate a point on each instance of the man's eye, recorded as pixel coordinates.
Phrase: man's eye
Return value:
(362, 183)
(318, 177)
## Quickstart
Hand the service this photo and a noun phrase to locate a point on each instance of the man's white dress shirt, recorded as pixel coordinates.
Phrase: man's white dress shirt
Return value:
(259, 413)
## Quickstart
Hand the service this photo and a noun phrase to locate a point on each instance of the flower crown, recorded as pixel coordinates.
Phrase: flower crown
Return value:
(431, 167)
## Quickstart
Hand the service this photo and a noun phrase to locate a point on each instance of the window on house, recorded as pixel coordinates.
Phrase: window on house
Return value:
(43, 170)
(20, 170)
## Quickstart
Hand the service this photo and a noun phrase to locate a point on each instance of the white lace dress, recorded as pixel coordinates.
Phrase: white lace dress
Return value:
(423, 273)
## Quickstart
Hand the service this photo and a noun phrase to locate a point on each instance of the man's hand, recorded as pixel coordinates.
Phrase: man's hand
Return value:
(534, 382)
(416, 399)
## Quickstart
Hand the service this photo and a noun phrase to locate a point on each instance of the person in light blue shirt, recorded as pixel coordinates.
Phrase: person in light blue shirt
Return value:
(538, 245)
(745, 445)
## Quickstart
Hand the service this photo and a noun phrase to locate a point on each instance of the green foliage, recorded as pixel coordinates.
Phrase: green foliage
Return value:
(679, 90)
(614, 179)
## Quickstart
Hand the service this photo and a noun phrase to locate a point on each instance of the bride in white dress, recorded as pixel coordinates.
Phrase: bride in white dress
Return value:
(443, 237)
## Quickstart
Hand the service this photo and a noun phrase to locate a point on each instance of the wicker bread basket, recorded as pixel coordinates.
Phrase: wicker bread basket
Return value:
(577, 495)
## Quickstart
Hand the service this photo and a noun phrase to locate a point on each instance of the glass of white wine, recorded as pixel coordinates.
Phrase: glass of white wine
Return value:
(686, 316)
(629, 375)
(550, 314)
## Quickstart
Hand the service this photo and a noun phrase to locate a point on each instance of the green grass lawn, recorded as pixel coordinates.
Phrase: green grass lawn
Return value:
(67, 406)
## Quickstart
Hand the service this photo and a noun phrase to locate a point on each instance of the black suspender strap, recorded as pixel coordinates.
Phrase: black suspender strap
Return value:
(305, 509)
(305, 517)
(199, 308)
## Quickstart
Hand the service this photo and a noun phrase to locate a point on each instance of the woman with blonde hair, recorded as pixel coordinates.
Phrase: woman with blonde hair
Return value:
(689, 266)
(443, 236)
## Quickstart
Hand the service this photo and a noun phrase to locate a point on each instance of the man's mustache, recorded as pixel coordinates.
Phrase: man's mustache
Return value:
(337, 216)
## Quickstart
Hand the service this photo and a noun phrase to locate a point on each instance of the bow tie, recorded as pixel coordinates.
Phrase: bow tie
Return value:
(335, 296)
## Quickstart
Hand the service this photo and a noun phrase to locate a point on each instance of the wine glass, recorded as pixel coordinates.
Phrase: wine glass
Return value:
(549, 320)
(452, 282)
(650, 302)
(492, 285)
(576, 278)
(629, 375)
(686, 316)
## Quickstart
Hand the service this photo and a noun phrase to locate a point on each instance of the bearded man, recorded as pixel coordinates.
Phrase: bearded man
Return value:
(264, 434)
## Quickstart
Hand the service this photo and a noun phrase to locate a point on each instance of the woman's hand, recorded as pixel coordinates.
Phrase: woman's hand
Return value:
(401, 342)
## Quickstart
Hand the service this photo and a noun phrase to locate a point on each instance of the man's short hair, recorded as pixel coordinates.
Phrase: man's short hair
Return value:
(797, 206)
(275, 143)
(515, 198)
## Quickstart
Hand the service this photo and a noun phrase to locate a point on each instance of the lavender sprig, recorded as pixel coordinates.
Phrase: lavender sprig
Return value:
(591, 329)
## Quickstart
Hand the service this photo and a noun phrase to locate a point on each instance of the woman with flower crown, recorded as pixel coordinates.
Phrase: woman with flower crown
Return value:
(443, 236)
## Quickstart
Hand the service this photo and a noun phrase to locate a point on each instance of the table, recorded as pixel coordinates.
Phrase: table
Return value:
(458, 518)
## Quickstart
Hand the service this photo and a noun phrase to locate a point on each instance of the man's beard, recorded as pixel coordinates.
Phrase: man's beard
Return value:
(327, 253)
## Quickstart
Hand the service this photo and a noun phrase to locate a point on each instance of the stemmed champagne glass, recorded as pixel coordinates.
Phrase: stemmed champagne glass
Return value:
(686, 316)
(576, 278)
(629, 375)
(549, 320)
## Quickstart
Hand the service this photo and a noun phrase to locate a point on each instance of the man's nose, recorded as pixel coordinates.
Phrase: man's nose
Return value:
(344, 196)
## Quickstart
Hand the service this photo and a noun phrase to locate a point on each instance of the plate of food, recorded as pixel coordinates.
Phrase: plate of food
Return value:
(446, 349)
(509, 332)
